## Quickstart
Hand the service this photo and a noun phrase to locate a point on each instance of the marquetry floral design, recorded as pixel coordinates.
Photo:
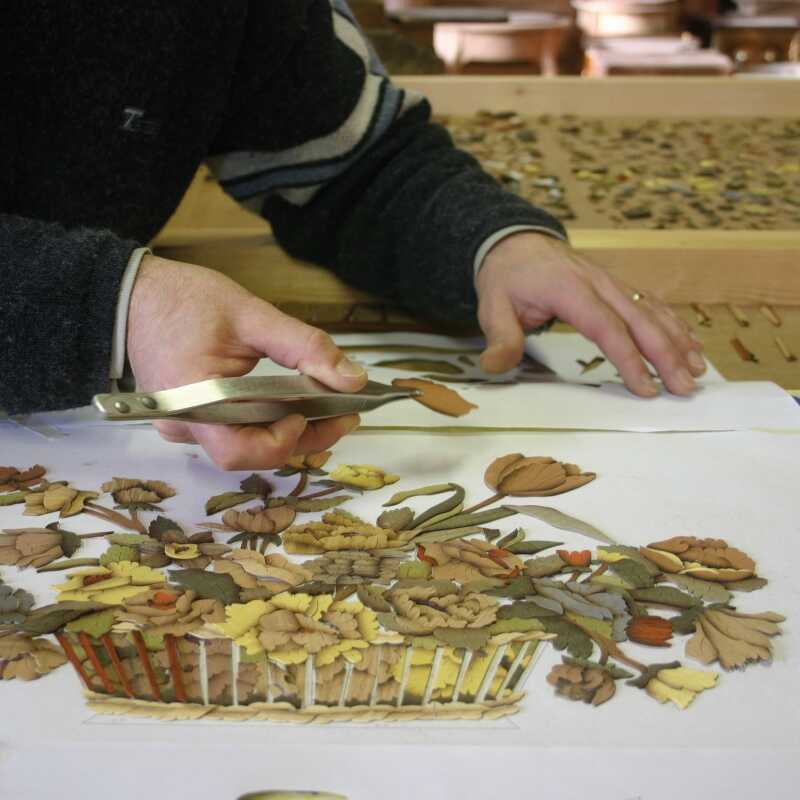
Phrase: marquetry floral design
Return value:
(340, 530)
(537, 476)
(20, 480)
(590, 684)
(59, 498)
(109, 585)
(707, 559)
(430, 602)
(31, 547)
(135, 492)
(25, 658)
(421, 609)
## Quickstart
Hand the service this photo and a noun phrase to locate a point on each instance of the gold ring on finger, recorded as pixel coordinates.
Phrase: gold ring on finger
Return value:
(637, 296)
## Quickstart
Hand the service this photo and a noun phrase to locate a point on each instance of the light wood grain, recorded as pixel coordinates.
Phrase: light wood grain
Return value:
(620, 96)
(757, 267)
(758, 337)
(207, 214)
(261, 266)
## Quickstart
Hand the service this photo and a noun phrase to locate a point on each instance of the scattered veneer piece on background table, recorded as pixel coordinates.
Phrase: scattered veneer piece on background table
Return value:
(437, 397)
(745, 354)
(785, 351)
(769, 313)
(739, 316)
(703, 317)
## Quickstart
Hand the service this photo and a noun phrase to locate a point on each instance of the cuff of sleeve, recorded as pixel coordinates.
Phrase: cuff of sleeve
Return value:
(498, 236)
(120, 335)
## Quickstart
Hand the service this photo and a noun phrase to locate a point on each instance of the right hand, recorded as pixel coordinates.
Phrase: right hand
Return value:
(528, 278)
(187, 323)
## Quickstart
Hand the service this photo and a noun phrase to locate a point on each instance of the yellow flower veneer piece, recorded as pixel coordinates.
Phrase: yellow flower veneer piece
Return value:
(126, 579)
(182, 552)
(240, 618)
(607, 557)
(313, 607)
(680, 685)
(365, 476)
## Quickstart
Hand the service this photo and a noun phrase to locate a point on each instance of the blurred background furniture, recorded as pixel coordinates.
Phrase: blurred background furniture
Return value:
(598, 18)
(664, 55)
(529, 43)
(783, 69)
(750, 40)
(583, 37)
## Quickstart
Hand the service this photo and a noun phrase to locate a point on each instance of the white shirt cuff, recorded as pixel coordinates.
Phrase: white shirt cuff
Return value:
(484, 249)
(120, 336)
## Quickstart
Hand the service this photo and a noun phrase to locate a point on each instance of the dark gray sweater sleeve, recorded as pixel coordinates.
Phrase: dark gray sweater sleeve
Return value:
(407, 219)
(57, 312)
(357, 177)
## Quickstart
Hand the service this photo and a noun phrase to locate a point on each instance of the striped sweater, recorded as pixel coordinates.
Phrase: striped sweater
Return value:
(109, 108)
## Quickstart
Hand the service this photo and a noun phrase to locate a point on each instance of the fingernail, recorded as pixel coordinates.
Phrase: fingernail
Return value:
(353, 424)
(349, 368)
(697, 362)
(648, 386)
(299, 420)
(685, 381)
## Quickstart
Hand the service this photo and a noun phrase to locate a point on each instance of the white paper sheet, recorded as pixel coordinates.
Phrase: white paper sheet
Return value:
(563, 352)
(558, 352)
(714, 407)
(542, 406)
(455, 344)
(739, 740)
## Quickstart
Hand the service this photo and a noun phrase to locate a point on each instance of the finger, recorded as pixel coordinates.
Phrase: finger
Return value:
(505, 340)
(322, 434)
(295, 345)
(254, 447)
(672, 325)
(678, 331)
(175, 432)
(590, 315)
(697, 344)
(650, 336)
(661, 308)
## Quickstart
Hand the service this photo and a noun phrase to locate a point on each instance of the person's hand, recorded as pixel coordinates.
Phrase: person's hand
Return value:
(528, 278)
(188, 323)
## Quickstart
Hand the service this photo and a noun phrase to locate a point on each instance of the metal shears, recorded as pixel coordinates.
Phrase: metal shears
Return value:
(249, 400)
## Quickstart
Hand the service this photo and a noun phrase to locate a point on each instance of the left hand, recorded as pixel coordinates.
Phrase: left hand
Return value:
(528, 278)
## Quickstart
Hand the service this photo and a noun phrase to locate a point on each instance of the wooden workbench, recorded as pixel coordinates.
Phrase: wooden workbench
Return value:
(713, 266)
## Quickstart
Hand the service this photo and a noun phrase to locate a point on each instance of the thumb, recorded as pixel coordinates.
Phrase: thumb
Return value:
(295, 345)
(505, 339)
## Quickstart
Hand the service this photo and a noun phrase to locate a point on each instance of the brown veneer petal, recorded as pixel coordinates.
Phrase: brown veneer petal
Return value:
(437, 397)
